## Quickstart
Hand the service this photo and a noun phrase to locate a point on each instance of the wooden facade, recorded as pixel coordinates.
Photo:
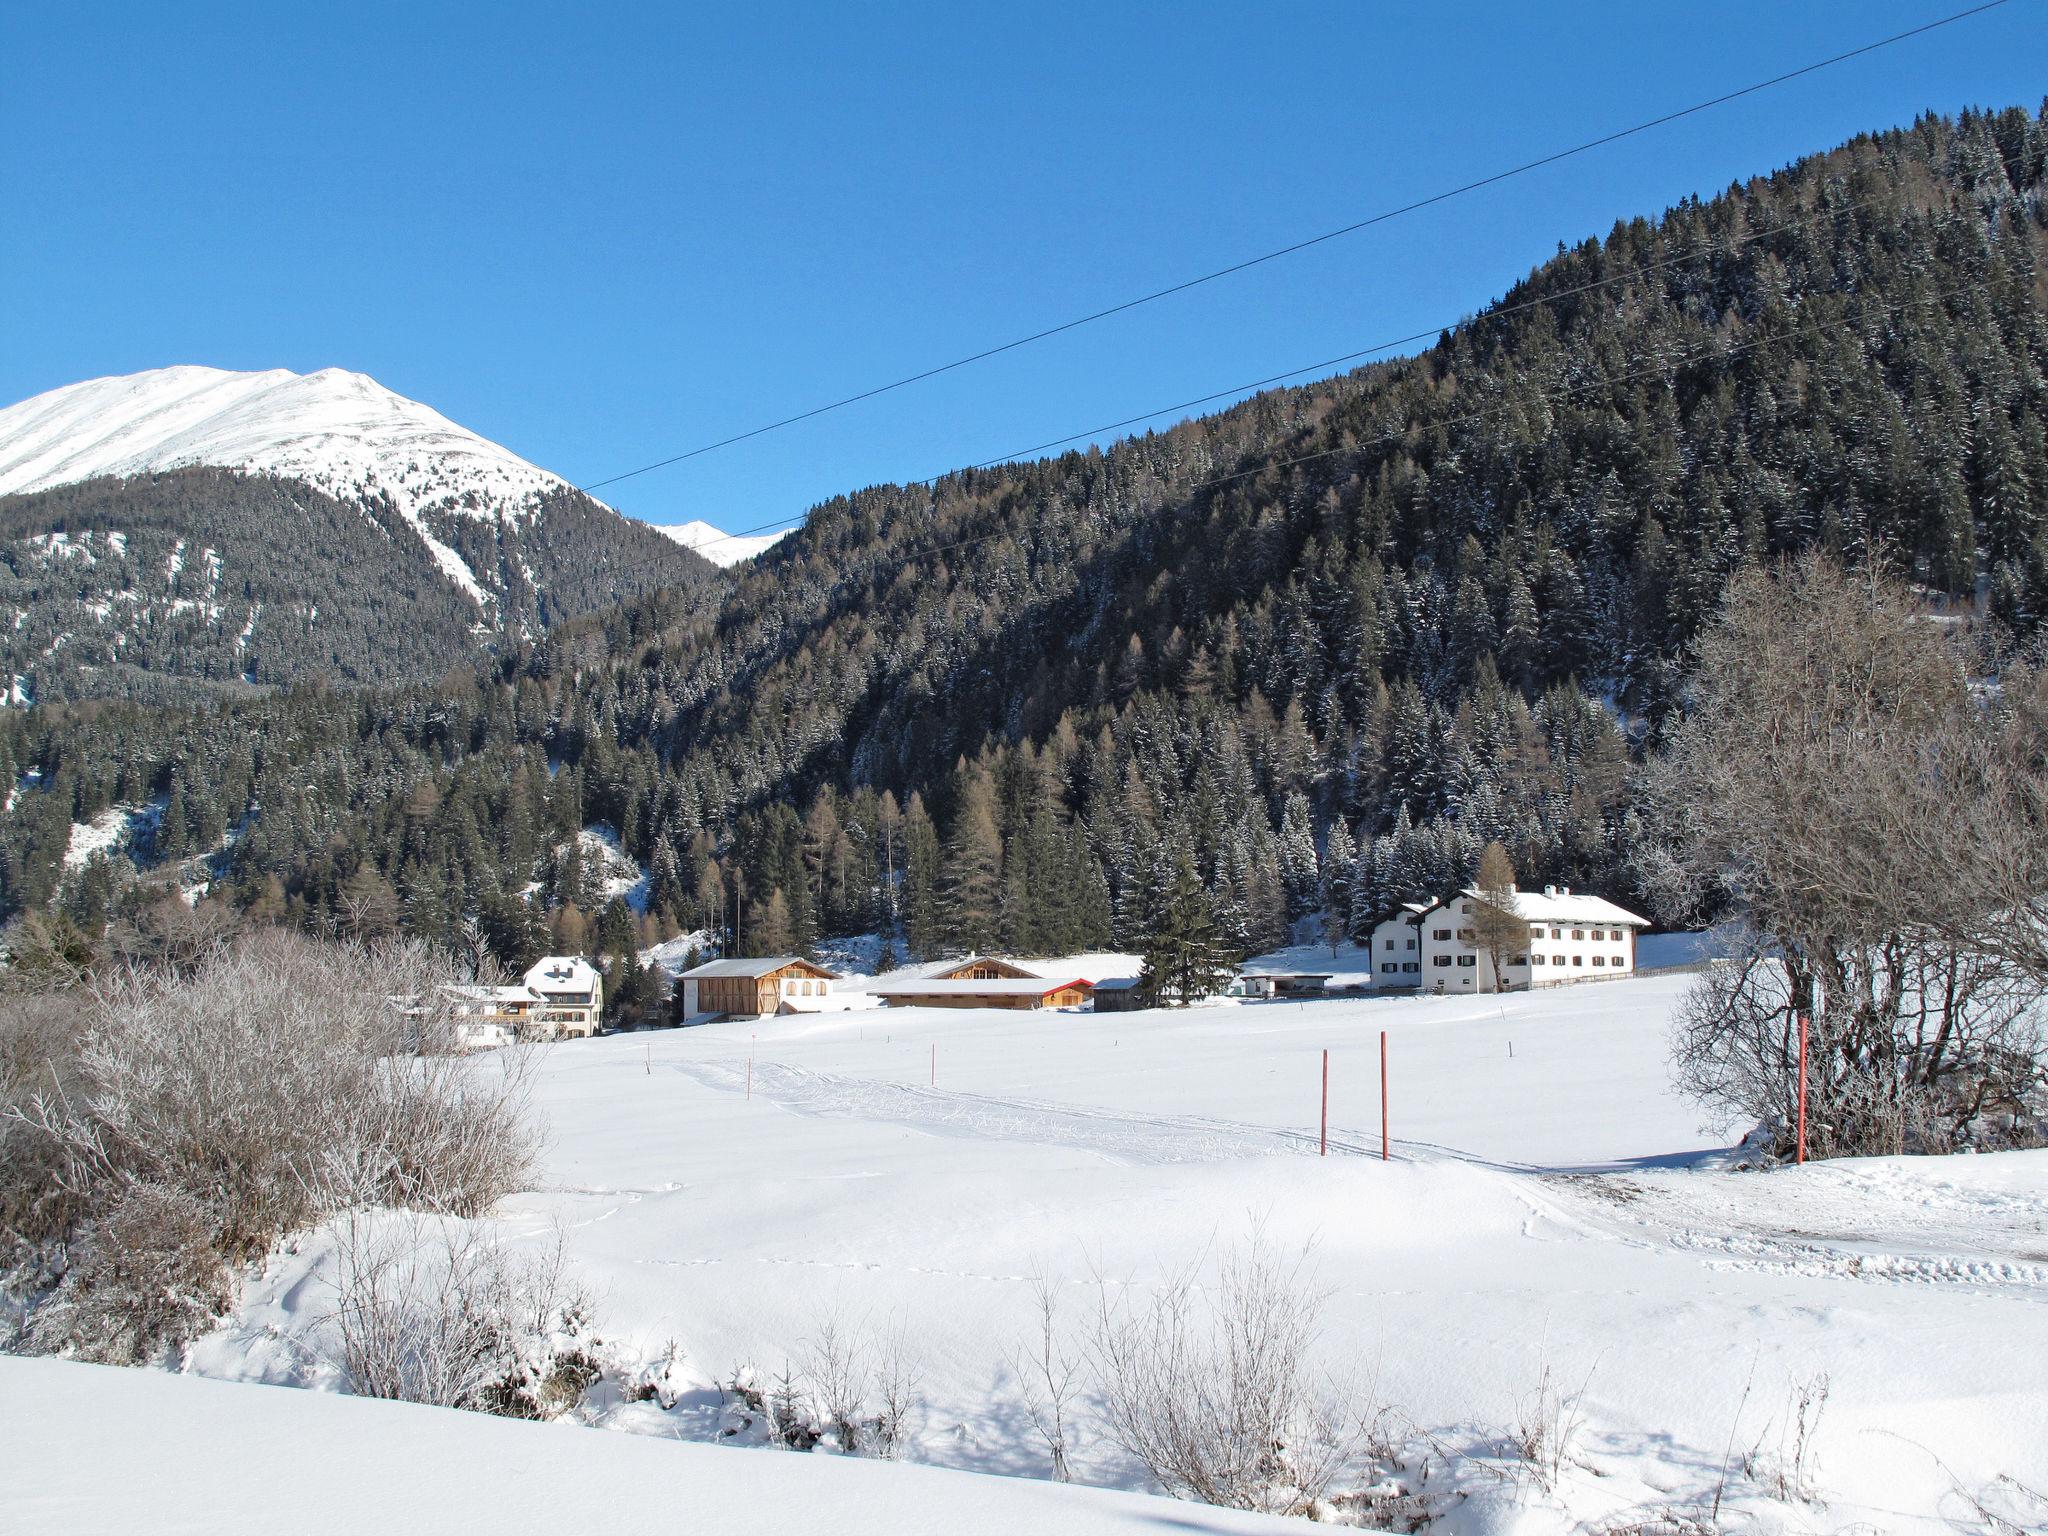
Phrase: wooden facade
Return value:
(985, 968)
(756, 995)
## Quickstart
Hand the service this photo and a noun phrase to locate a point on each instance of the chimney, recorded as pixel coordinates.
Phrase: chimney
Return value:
(1550, 890)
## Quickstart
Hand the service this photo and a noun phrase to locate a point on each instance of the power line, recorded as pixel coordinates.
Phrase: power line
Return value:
(1314, 240)
(1502, 312)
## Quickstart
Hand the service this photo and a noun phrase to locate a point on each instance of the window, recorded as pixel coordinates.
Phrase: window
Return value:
(1519, 960)
(1468, 959)
(1557, 959)
(1618, 936)
(1410, 965)
(1443, 959)
(1465, 935)
(1535, 959)
(1441, 933)
(1388, 967)
(1599, 959)
(1578, 933)
(1578, 959)
(1390, 943)
(1411, 943)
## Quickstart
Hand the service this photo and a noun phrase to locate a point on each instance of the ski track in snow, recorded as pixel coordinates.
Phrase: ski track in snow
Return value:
(1144, 1140)
(1844, 1221)
(1850, 1221)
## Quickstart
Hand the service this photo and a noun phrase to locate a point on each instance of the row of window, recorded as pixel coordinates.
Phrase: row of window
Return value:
(1389, 968)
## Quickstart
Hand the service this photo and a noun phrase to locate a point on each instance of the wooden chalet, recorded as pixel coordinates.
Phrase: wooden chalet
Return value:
(751, 988)
(983, 981)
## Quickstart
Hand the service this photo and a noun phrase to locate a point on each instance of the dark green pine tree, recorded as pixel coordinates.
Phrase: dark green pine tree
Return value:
(971, 879)
(1185, 956)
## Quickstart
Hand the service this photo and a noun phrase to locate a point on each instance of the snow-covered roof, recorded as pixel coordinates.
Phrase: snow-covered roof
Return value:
(1119, 983)
(477, 993)
(1009, 986)
(1558, 904)
(562, 973)
(756, 967)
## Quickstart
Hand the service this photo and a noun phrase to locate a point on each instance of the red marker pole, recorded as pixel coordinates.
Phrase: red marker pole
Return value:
(1323, 1145)
(1383, 1096)
(1802, 1088)
(935, 1063)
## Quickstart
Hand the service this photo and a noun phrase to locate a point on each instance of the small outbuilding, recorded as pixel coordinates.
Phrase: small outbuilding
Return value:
(1119, 994)
(749, 988)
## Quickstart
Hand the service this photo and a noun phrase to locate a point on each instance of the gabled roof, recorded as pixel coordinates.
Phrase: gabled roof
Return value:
(1557, 904)
(757, 968)
(484, 993)
(562, 973)
(1008, 986)
(951, 968)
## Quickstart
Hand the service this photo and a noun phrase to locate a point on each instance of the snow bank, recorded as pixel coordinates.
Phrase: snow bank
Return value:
(92, 1449)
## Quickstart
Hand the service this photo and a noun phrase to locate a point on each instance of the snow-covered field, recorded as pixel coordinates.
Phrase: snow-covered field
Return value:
(1549, 1203)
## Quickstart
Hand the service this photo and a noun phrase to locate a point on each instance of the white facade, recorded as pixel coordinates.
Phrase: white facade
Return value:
(1571, 938)
(569, 993)
(561, 995)
(1397, 950)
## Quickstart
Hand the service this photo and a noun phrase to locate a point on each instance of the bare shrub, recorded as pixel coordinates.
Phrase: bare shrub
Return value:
(433, 1310)
(284, 1079)
(145, 1276)
(1049, 1369)
(1213, 1389)
(1547, 1428)
(898, 1391)
(39, 1042)
(844, 1391)
(1786, 1469)
(836, 1366)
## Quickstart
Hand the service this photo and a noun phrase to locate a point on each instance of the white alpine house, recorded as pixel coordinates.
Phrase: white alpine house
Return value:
(1435, 947)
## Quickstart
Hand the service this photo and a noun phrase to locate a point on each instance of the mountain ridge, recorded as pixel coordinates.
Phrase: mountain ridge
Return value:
(1347, 631)
(386, 481)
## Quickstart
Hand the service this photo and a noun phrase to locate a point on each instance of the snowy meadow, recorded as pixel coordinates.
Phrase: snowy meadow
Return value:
(1558, 1303)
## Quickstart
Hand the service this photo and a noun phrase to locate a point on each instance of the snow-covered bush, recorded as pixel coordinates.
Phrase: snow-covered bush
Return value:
(146, 1275)
(438, 1311)
(847, 1389)
(1213, 1390)
(264, 1089)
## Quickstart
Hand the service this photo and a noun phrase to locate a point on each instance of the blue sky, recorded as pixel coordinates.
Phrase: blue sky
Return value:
(605, 234)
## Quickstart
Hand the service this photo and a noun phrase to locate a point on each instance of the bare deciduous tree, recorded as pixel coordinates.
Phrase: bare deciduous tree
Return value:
(1876, 820)
(1501, 933)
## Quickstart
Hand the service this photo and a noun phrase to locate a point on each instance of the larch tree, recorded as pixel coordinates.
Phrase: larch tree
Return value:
(1496, 925)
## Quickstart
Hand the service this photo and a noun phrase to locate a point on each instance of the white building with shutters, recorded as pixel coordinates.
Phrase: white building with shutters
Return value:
(1570, 938)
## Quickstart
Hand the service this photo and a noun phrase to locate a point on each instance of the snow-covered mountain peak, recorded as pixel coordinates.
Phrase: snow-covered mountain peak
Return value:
(718, 546)
(341, 432)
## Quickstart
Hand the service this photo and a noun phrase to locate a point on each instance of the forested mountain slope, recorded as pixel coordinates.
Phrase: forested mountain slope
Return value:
(1429, 603)
(189, 530)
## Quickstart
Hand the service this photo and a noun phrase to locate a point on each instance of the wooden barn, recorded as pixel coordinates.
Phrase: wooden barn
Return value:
(750, 988)
(982, 981)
